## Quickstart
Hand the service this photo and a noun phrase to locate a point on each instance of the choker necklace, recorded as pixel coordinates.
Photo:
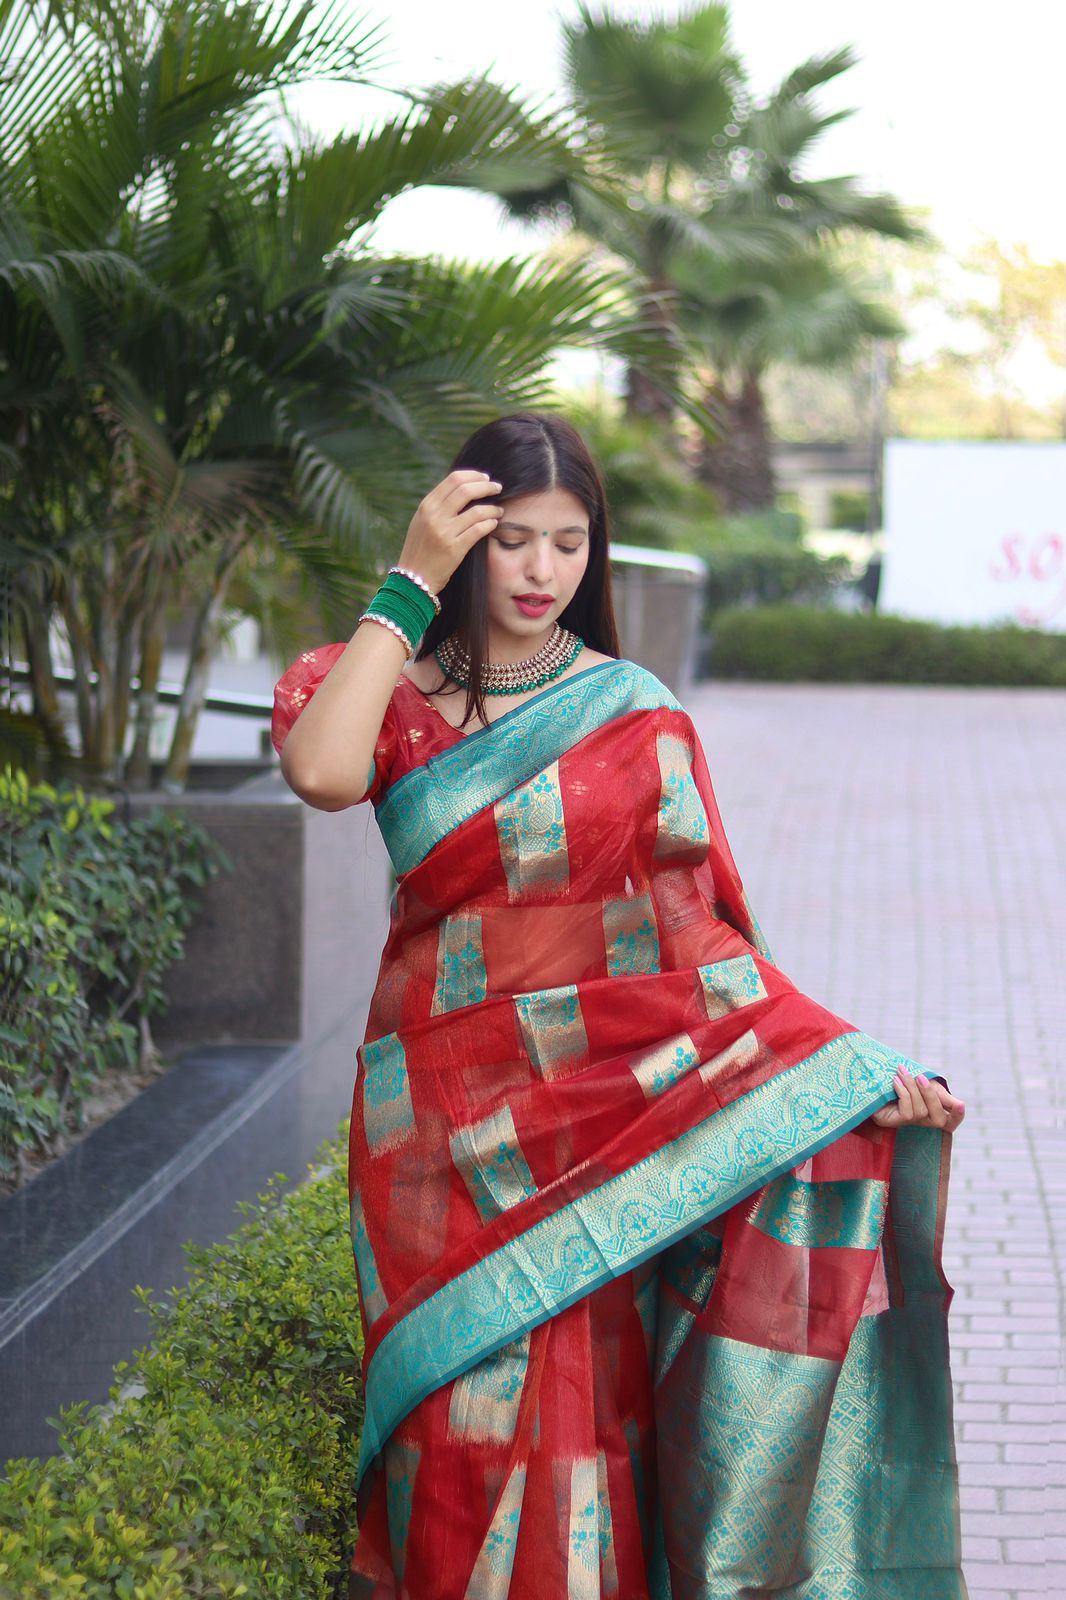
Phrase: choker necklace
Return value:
(512, 677)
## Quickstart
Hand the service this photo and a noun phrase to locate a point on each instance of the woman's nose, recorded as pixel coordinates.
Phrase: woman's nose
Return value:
(539, 563)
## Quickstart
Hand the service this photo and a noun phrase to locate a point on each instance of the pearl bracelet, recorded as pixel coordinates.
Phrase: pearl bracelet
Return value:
(405, 572)
(393, 627)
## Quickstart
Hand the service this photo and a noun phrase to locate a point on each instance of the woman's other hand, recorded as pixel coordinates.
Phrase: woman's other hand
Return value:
(450, 520)
(920, 1103)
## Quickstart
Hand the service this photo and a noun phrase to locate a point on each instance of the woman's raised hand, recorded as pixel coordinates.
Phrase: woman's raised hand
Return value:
(447, 523)
(920, 1103)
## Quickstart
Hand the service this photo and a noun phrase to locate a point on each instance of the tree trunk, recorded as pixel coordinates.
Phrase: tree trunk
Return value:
(35, 619)
(643, 396)
(105, 638)
(738, 465)
(123, 669)
(81, 651)
(153, 642)
(201, 654)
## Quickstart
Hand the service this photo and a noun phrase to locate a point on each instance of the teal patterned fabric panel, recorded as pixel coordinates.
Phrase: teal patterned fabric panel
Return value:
(374, 1301)
(461, 977)
(552, 1028)
(401, 1465)
(846, 1214)
(758, 937)
(630, 935)
(387, 1110)
(608, 1560)
(583, 1543)
(741, 1430)
(682, 832)
(632, 1216)
(422, 807)
(531, 830)
(490, 1160)
(661, 1066)
(485, 1399)
(491, 1575)
(736, 1485)
(728, 984)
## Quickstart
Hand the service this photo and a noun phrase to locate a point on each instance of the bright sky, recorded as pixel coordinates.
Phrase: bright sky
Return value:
(959, 109)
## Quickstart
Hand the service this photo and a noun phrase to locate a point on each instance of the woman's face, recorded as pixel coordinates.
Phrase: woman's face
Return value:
(536, 558)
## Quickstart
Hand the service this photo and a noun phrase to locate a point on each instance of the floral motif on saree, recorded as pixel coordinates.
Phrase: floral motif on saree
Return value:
(651, 1307)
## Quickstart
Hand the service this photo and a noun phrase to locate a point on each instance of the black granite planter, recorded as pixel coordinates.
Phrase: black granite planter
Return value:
(278, 973)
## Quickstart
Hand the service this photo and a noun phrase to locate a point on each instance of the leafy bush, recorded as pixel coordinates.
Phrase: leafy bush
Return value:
(796, 642)
(778, 523)
(92, 913)
(761, 571)
(225, 1463)
(654, 499)
(849, 508)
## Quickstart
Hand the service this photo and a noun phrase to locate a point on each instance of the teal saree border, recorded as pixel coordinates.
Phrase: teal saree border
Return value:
(632, 1216)
(422, 807)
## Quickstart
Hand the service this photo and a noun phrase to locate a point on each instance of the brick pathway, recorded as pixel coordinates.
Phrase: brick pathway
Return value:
(903, 851)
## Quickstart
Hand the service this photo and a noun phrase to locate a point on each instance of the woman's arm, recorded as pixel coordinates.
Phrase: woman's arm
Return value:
(328, 751)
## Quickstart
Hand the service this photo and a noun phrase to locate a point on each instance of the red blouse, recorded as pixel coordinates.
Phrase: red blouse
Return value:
(412, 731)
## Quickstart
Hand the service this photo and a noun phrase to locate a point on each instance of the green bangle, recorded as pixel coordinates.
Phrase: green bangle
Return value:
(410, 594)
(396, 600)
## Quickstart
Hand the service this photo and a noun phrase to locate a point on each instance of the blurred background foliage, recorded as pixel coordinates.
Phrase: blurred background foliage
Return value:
(217, 397)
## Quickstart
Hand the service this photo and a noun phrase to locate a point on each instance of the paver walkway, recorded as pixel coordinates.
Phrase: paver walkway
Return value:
(903, 850)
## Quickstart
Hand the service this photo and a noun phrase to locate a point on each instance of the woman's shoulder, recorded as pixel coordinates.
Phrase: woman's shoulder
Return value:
(637, 681)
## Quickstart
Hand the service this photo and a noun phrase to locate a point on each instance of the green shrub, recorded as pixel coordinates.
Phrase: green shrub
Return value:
(788, 642)
(230, 1468)
(777, 522)
(849, 508)
(92, 913)
(763, 570)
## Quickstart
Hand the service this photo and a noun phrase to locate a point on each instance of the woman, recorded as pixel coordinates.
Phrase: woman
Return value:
(651, 1290)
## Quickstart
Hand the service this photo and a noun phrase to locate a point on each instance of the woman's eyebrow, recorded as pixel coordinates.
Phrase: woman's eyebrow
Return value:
(522, 527)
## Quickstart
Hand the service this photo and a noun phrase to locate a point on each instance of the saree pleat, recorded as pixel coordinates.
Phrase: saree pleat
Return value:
(651, 1307)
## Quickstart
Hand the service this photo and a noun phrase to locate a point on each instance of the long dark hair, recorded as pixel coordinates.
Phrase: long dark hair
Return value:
(527, 452)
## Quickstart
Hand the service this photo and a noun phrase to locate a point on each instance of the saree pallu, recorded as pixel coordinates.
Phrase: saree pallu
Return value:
(651, 1307)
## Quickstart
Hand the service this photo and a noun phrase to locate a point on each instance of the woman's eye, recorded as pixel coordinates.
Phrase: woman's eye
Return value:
(518, 544)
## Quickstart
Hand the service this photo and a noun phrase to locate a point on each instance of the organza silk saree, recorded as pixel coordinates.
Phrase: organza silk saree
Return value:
(651, 1307)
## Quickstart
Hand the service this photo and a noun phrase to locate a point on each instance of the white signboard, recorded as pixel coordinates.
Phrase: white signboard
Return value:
(975, 531)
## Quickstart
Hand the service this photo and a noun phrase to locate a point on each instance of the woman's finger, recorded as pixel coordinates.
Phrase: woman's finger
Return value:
(933, 1109)
(912, 1105)
(954, 1108)
(908, 1109)
(460, 494)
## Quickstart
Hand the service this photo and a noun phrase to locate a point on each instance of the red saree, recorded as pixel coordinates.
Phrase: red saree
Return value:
(651, 1307)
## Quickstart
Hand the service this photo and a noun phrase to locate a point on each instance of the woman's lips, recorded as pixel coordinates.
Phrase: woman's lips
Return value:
(532, 606)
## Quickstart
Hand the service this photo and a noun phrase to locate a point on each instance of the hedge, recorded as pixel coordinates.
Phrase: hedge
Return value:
(230, 1468)
(766, 571)
(790, 642)
(93, 910)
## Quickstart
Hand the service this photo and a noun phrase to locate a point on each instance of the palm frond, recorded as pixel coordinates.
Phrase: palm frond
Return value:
(661, 90)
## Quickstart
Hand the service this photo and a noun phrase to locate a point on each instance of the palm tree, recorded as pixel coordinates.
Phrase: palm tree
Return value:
(810, 312)
(720, 224)
(661, 104)
(201, 358)
(806, 310)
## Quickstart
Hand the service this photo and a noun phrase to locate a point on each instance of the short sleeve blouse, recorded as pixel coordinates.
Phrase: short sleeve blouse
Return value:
(411, 732)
